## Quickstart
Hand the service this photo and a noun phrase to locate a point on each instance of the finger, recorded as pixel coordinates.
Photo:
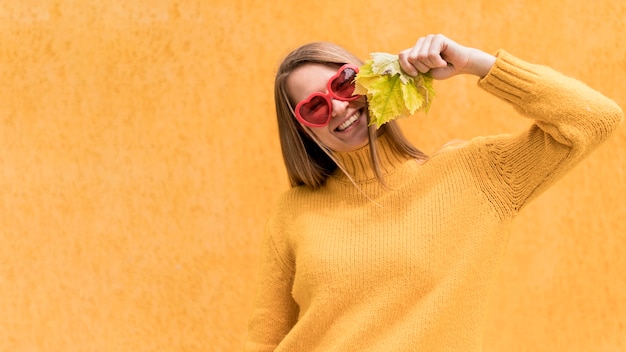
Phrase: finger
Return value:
(442, 72)
(413, 54)
(422, 53)
(421, 67)
(433, 54)
(417, 55)
(427, 54)
(441, 43)
(405, 65)
(408, 60)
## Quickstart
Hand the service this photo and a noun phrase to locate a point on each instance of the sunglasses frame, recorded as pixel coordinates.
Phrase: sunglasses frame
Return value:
(327, 97)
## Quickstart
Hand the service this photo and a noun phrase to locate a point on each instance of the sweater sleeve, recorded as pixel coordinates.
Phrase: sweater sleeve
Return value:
(570, 120)
(275, 312)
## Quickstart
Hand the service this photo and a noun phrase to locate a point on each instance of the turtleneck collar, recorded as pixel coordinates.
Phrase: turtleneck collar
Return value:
(358, 163)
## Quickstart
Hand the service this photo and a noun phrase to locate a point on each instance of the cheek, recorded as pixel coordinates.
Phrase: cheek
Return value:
(362, 102)
(321, 133)
(323, 136)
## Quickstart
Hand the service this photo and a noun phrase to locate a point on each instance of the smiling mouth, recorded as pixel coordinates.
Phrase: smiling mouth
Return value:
(354, 118)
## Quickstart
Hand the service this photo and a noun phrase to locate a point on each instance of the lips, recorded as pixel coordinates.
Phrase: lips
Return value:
(354, 118)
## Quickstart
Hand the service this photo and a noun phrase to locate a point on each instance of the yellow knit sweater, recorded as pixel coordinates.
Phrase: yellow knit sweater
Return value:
(411, 268)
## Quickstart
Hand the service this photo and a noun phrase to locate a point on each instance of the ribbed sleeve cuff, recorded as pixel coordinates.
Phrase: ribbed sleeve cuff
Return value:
(510, 78)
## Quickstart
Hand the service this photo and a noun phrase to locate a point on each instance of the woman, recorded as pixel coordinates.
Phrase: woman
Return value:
(399, 253)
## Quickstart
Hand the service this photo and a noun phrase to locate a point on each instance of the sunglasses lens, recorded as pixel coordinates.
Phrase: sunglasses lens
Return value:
(343, 85)
(315, 111)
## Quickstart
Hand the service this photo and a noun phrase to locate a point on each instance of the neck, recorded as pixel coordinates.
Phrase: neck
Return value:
(358, 163)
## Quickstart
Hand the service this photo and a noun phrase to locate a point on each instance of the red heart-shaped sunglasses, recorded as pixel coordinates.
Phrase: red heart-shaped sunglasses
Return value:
(316, 110)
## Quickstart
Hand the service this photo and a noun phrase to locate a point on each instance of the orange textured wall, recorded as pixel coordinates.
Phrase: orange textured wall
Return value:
(139, 160)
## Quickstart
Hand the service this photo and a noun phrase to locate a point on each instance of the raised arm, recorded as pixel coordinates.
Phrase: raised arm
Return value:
(570, 118)
(570, 121)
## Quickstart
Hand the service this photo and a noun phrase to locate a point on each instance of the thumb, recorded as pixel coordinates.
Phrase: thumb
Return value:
(442, 73)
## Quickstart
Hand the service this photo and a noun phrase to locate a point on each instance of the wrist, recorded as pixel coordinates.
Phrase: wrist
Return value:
(480, 63)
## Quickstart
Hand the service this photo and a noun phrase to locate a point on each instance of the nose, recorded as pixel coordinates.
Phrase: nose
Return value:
(338, 106)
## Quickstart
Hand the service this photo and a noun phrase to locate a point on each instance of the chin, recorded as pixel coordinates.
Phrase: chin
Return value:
(357, 145)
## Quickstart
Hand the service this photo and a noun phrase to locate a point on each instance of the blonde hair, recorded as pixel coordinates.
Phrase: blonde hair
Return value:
(308, 161)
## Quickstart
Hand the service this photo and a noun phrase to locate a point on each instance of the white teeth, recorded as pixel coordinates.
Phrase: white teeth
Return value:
(348, 123)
